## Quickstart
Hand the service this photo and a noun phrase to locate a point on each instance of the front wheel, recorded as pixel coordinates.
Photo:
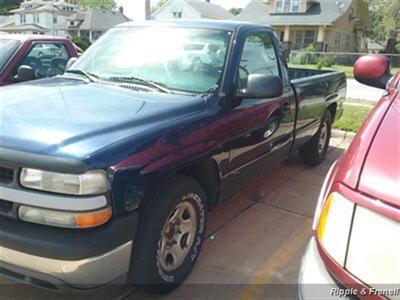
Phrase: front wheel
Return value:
(170, 235)
(314, 152)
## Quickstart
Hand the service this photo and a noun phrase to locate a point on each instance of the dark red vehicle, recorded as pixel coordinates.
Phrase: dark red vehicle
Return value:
(356, 244)
(28, 57)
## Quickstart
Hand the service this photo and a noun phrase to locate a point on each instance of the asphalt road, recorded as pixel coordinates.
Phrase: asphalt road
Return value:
(255, 240)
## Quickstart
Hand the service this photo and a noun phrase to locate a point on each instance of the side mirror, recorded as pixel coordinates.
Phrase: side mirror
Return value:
(70, 62)
(25, 73)
(262, 86)
(373, 70)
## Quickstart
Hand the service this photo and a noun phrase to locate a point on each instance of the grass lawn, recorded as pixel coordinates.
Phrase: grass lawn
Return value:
(348, 70)
(353, 117)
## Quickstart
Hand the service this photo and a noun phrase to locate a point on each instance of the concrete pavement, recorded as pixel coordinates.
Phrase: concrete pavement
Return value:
(255, 238)
(258, 236)
(361, 92)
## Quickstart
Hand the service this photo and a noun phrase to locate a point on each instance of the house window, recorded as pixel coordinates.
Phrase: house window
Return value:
(304, 38)
(309, 37)
(281, 36)
(338, 38)
(22, 18)
(55, 20)
(177, 14)
(299, 39)
(295, 5)
(348, 42)
(287, 6)
(36, 18)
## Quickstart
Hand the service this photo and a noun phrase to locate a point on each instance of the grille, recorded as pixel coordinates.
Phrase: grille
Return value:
(6, 175)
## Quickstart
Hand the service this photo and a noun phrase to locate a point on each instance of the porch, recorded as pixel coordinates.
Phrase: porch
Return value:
(299, 37)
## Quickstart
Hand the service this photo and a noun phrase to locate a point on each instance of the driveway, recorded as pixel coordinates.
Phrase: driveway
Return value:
(361, 92)
(254, 243)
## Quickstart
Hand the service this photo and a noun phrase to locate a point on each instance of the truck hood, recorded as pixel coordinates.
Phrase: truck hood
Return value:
(380, 175)
(71, 118)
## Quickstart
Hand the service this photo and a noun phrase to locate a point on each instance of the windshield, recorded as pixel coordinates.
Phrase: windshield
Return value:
(7, 49)
(182, 59)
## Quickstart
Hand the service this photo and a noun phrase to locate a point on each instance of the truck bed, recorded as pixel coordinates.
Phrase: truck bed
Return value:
(297, 73)
(315, 91)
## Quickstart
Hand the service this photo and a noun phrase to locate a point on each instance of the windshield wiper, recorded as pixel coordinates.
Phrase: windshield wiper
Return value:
(149, 83)
(90, 76)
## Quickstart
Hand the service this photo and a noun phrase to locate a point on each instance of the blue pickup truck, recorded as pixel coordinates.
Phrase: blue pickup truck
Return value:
(108, 171)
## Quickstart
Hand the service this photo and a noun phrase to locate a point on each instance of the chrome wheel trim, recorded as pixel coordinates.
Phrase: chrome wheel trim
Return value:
(323, 138)
(177, 236)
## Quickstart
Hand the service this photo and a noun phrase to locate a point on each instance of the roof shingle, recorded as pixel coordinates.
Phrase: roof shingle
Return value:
(324, 12)
(210, 10)
(102, 20)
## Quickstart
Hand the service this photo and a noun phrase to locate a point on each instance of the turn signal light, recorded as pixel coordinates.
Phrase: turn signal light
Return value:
(334, 226)
(64, 219)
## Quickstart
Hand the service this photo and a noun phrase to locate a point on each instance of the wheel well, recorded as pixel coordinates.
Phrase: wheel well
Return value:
(206, 173)
(332, 108)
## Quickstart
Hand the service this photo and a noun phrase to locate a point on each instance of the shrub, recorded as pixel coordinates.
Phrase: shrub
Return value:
(325, 62)
(82, 43)
(305, 56)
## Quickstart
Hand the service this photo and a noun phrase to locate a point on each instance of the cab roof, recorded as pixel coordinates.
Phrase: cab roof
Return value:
(26, 37)
(204, 24)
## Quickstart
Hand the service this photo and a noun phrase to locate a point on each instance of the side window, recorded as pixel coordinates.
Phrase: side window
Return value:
(47, 59)
(258, 57)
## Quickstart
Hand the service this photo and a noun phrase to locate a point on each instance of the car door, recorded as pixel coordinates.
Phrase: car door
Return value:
(265, 125)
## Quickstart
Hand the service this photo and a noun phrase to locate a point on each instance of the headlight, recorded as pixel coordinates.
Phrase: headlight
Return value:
(91, 183)
(374, 249)
(64, 218)
(334, 226)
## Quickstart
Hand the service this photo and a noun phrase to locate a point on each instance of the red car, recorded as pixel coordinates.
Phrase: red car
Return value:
(27, 57)
(355, 250)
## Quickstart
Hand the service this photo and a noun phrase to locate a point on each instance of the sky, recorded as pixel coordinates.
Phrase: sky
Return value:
(134, 9)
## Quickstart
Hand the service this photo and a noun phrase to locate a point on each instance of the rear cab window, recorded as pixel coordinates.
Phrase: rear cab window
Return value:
(47, 59)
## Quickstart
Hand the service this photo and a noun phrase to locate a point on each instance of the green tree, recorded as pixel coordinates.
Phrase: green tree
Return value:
(102, 4)
(386, 22)
(157, 6)
(235, 11)
(7, 5)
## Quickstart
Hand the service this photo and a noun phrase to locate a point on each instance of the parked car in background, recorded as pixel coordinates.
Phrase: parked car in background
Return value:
(28, 57)
(357, 231)
(198, 53)
(108, 171)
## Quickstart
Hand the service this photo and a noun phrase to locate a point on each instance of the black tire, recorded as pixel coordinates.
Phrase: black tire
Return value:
(146, 270)
(313, 153)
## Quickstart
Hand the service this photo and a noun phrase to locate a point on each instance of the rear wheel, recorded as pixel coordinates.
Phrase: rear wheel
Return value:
(314, 152)
(170, 235)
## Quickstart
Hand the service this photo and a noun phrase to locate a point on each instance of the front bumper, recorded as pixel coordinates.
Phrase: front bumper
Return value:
(67, 259)
(84, 274)
(315, 282)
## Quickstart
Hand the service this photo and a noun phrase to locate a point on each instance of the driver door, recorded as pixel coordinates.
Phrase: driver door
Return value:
(265, 126)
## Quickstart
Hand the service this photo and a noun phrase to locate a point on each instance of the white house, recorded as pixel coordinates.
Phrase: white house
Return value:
(191, 9)
(40, 17)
